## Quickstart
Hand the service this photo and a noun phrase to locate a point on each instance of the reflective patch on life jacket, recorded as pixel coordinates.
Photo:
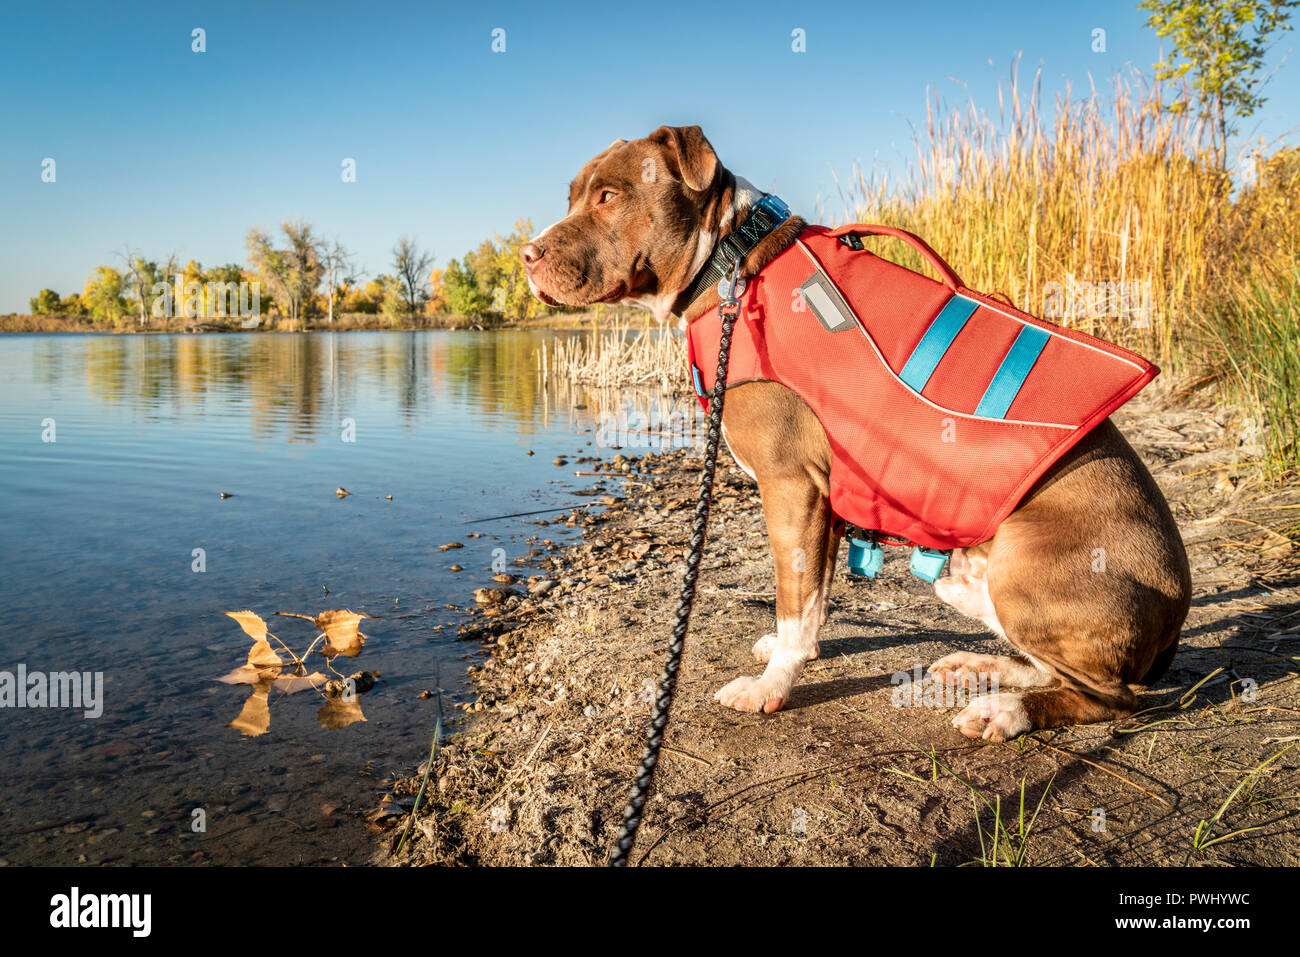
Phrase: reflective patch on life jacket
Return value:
(826, 304)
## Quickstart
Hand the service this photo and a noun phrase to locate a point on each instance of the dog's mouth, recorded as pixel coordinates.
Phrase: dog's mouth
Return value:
(619, 292)
(615, 295)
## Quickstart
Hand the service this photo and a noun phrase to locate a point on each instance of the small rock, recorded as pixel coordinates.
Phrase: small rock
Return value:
(341, 492)
(493, 596)
(457, 568)
(450, 545)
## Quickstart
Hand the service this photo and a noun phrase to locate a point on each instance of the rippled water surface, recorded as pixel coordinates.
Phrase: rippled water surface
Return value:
(114, 452)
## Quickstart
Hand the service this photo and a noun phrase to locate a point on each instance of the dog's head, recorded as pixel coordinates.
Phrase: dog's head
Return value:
(639, 224)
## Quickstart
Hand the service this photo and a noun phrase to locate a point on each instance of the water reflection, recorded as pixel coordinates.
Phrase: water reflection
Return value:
(120, 556)
(288, 382)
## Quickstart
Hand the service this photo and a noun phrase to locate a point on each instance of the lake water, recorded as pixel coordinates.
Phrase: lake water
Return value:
(114, 452)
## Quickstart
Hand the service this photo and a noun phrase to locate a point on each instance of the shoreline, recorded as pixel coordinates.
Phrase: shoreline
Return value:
(844, 774)
(41, 325)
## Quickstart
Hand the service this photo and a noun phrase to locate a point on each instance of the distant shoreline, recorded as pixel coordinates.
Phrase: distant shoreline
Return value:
(351, 323)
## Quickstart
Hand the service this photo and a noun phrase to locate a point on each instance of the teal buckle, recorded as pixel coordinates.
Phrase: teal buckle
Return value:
(927, 564)
(698, 382)
(866, 557)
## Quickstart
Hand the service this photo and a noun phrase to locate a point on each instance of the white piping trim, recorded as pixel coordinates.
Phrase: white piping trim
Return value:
(1111, 355)
(879, 355)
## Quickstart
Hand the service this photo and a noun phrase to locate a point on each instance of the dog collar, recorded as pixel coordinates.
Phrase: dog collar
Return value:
(764, 216)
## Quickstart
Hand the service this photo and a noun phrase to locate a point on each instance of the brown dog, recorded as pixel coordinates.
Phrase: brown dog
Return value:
(644, 217)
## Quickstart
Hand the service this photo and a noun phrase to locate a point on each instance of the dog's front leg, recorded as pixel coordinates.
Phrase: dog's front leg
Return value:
(798, 526)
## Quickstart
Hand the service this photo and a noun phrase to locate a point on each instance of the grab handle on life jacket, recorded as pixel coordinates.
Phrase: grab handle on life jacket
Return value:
(950, 278)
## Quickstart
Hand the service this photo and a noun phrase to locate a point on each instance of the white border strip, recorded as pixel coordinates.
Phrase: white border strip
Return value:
(879, 355)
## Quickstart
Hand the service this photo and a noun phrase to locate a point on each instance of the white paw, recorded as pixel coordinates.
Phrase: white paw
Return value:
(965, 668)
(751, 694)
(763, 648)
(994, 717)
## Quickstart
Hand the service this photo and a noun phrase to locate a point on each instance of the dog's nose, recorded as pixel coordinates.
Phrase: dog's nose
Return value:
(531, 253)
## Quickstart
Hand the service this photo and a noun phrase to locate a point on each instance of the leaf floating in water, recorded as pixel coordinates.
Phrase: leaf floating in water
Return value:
(288, 684)
(341, 634)
(252, 624)
(262, 655)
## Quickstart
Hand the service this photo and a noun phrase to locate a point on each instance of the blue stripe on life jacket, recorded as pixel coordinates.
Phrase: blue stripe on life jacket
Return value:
(930, 350)
(1011, 374)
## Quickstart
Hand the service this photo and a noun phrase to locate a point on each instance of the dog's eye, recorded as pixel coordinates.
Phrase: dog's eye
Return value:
(605, 196)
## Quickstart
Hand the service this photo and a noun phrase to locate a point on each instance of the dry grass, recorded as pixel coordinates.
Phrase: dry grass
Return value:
(615, 356)
(1113, 190)
(1109, 215)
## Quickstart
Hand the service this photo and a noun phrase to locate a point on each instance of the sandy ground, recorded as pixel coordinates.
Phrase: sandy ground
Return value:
(851, 771)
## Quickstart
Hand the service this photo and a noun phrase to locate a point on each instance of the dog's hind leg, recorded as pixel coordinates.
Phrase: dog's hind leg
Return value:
(1002, 716)
(974, 670)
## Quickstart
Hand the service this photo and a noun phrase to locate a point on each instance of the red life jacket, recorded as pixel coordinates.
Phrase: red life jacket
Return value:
(943, 405)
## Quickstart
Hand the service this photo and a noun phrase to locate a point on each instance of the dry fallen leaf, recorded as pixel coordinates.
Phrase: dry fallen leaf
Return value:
(252, 624)
(288, 684)
(262, 655)
(341, 634)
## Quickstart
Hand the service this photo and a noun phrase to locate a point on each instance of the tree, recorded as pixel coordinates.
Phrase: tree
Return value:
(338, 269)
(412, 269)
(485, 263)
(303, 256)
(141, 275)
(436, 304)
(511, 295)
(1221, 44)
(464, 297)
(102, 296)
(186, 296)
(291, 274)
(392, 299)
(223, 292)
(46, 303)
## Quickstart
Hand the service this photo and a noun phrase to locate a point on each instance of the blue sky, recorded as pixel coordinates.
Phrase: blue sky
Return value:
(171, 150)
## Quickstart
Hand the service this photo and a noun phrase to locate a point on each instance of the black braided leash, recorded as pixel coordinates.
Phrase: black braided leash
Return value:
(728, 310)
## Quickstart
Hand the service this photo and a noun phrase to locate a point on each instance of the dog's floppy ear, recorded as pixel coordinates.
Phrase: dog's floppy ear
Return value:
(691, 154)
